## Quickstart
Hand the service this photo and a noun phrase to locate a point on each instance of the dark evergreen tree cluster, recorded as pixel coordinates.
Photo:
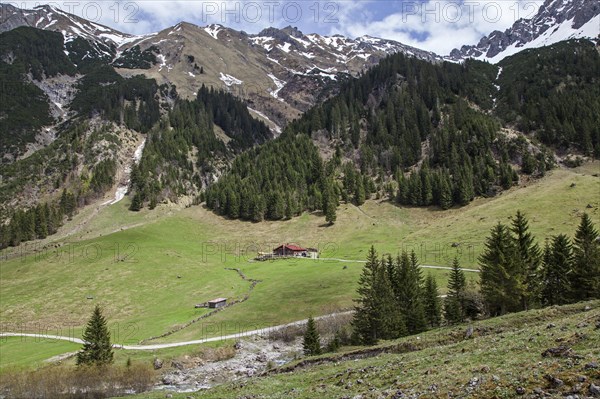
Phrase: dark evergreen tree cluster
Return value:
(404, 105)
(554, 91)
(135, 58)
(232, 115)
(516, 275)
(103, 177)
(35, 51)
(131, 101)
(86, 57)
(510, 267)
(393, 299)
(24, 107)
(167, 169)
(38, 222)
(183, 150)
(279, 179)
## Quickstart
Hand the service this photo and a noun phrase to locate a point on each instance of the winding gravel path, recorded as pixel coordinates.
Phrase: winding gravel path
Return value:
(364, 261)
(262, 331)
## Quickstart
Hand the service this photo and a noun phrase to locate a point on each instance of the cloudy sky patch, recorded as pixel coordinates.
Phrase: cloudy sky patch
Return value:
(435, 25)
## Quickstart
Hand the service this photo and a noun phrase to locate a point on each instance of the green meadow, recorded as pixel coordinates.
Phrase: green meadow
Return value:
(148, 269)
(503, 355)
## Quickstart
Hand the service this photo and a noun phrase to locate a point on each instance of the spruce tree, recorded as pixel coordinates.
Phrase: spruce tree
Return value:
(41, 222)
(497, 269)
(389, 319)
(97, 349)
(584, 279)
(527, 260)
(359, 194)
(410, 293)
(557, 266)
(445, 200)
(330, 202)
(366, 312)
(454, 306)
(312, 342)
(433, 312)
(136, 203)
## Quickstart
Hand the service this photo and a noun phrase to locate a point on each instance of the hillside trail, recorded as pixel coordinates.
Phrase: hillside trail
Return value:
(364, 261)
(262, 331)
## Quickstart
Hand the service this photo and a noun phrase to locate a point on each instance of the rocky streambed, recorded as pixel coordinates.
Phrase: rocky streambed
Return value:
(249, 357)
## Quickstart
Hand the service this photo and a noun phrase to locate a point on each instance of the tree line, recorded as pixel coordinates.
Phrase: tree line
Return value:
(554, 92)
(183, 152)
(54, 167)
(406, 124)
(517, 275)
(38, 222)
(394, 299)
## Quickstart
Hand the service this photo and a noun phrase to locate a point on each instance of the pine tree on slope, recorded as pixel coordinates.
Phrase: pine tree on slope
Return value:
(97, 349)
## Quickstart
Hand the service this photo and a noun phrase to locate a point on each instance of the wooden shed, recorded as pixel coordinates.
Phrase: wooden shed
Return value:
(217, 303)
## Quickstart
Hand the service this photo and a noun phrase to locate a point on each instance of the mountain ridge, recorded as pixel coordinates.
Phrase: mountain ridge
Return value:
(556, 20)
(280, 72)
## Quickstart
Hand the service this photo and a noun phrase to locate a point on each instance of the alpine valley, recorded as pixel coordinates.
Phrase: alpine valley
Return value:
(149, 174)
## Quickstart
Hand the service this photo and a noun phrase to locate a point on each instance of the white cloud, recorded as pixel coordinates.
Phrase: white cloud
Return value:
(439, 25)
(436, 25)
(145, 16)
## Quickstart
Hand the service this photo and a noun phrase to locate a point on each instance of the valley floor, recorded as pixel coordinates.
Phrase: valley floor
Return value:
(149, 269)
(551, 352)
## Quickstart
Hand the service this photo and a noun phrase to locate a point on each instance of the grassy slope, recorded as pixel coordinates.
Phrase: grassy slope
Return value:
(24, 352)
(503, 354)
(143, 296)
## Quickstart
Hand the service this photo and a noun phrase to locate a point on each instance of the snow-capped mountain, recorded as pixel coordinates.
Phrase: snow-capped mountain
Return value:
(280, 72)
(46, 17)
(555, 21)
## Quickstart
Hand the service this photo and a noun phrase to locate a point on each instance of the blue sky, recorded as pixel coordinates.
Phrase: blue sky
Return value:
(435, 25)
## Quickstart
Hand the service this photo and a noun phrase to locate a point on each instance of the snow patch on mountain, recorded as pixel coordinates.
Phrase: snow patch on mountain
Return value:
(555, 21)
(122, 190)
(213, 31)
(276, 128)
(163, 62)
(263, 41)
(285, 48)
(280, 84)
(230, 80)
(553, 35)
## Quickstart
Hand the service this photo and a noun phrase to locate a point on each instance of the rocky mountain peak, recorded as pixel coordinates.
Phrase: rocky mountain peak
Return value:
(293, 31)
(556, 20)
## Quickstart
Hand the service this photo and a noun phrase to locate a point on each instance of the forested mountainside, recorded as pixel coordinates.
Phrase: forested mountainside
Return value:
(183, 153)
(36, 66)
(412, 128)
(280, 72)
(70, 127)
(444, 132)
(554, 92)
